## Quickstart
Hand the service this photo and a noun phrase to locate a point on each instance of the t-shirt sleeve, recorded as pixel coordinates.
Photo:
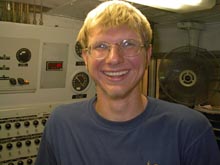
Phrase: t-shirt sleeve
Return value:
(201, 148)
(45, 153)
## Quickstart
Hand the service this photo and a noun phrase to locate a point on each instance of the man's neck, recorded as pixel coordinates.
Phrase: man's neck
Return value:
(120, 109)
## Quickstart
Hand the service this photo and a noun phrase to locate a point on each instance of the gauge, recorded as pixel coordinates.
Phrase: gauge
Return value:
(23, 55)
(78, 49)
(80, 81)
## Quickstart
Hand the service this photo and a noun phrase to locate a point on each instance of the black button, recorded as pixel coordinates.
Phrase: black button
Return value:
(9, 146)
(44, 121)
(7, 125)
(29, 161)
(21, 81)
(35, 122)
(36, 141)
(12, 81)
(17, 125)
(23, 55)
(18, 144)
(26, 123)
(28, 143)
(20, 162)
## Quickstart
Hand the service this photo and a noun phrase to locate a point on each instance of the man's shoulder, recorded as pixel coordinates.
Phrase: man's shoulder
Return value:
(72, 110)
(179, 112)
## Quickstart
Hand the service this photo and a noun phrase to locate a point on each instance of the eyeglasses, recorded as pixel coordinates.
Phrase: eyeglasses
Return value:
(128, 48)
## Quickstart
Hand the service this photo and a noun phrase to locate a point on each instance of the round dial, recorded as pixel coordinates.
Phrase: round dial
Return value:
(80, 81)
(78, 48)
(23, 55)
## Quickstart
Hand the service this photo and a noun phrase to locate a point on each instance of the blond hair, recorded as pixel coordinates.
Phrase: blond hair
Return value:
(113, 14)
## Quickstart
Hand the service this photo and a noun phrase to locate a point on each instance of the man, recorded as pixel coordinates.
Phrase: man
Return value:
(120, 126)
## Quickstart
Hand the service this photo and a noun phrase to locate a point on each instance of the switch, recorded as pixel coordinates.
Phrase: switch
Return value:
(19, 144)
(9, 146)
(12, 81)
(7, 126)
(44, 121)
(29, 161)
(4, 57)
(35, 122)
(21, 81)
(4, 67)
(28, 143)
(26, 123)
(23, 55)
(37, 141)
(20, 162)
(17, 125)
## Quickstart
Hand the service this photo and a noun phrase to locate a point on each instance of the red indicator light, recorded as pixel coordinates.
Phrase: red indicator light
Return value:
(59, 65)
(54, 65)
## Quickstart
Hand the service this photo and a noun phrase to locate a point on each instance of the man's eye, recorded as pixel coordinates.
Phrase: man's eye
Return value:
(128, 44)
(101, 46)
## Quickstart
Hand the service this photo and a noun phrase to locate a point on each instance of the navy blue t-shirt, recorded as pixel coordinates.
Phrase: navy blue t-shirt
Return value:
(164, 134)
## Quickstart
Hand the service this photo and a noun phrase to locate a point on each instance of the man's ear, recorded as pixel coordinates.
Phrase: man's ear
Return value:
(85, 57)
(149, 53)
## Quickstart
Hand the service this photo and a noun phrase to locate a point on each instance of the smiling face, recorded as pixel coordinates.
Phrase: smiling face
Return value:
(116, 76)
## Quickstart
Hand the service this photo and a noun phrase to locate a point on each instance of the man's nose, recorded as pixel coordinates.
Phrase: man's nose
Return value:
(115, 54)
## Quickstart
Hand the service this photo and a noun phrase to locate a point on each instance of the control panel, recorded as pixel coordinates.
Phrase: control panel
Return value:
(40, 64)
(20, 133)
(39, 70)
(18, 64)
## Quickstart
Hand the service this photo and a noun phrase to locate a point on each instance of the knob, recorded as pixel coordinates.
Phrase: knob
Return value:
(21, 81)
(23, 55)
(18, 144)
(44, 121)
(37, 141)
(35, 122)
(26, 123)
(7, 125)
(20, 162)
(9, 146)
(29, 161)
(28, 143)
(17, 125)
(12, 81)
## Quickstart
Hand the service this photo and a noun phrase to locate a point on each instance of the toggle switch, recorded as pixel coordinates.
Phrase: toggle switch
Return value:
(21, 81)
(35, 123)
(9, 146)
(17, 125)
(29, 161)
(26, 123)
(20, 162)
(12, 81)
(28, 143)
(37, 141)
(19, 144)
(7, 126)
